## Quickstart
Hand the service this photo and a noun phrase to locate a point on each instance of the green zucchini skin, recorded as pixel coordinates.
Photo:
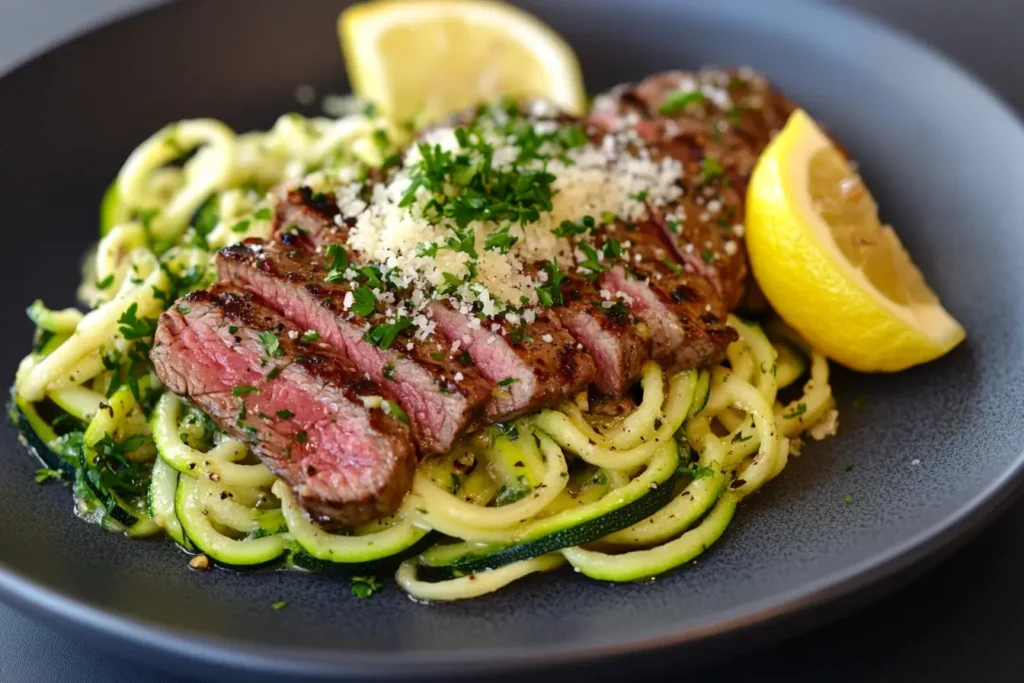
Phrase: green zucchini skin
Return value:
(581, 534)
(246, 553)
(302, 560)
(36, 435)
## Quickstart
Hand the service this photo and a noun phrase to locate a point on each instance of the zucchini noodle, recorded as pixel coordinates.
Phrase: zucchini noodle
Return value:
(619, 499)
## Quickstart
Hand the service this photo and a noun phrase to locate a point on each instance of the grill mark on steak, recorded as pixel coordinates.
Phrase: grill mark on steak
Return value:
(439, 391)
(679, 302)
(612, 335)
(309, 211)
(733, 136)
(532, 365)
(536, 372)
(346, 463)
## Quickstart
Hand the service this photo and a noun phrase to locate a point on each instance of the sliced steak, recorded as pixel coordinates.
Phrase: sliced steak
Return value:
(617, 340)
(677, 299)
(728, 118)
(303, 212)
(532, 364)
(434, 383)
(529, 363)
(299, 404)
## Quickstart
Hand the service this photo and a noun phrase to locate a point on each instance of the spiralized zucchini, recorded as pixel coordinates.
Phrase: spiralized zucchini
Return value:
(561, 486)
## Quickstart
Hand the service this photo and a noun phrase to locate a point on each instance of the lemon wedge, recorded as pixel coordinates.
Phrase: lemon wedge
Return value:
(428, 58)
(829, 267)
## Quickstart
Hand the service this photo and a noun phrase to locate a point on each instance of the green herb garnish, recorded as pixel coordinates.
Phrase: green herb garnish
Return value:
(383, 336)
(271, 344)
(365, 586)
(679, 100)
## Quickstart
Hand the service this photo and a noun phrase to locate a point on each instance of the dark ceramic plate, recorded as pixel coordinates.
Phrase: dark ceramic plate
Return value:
(941, 152)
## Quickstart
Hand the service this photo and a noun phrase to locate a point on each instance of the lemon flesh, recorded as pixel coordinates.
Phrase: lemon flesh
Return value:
(827, 264)
(428, 58)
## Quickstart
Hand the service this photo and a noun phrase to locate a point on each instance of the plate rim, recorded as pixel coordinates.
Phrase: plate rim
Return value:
(883, 571)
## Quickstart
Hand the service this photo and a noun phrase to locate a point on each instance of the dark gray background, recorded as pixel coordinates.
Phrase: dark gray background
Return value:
(961, 621)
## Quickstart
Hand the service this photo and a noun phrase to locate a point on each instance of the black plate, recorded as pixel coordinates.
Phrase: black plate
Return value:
(941, 153)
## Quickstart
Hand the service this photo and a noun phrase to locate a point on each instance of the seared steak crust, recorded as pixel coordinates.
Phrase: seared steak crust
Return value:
(300, 405)
(439, 388)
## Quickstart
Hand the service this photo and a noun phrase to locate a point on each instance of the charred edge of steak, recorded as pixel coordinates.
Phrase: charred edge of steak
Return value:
(299, 405)
(610, 333)
(679, 300)
(531, 365)
(303, 214)
(733, 135)
(438, 389)
(526, 371)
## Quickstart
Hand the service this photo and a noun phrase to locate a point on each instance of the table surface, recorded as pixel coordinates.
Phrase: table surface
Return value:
(960, 621)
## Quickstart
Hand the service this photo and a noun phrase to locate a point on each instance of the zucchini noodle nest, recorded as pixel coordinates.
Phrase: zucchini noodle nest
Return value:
(619, 498)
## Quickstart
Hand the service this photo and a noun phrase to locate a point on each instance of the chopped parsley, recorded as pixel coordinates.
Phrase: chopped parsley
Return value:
(262, 215)
(550, 293)
(271, 344)
(383, 336)
(612, 249)
(678, 101)
(697, 471)
(672, 265)
(309, 336)
(105, 282)
(506, 429)
(336, 262)
(591, 263)
(710, 169)
(389, 372)
(133, 327)
(508, 381)
(607, 217)
(797, 411)
(365, 586)
(301, 436)
(243, 389)
(734, 116)
(285, 414)
(641, 196)
(241, 226)
(708, 256)
(500, 241)
(113, 471)
(395, 411)
(363, 301)
(46, 474)
(569, 228)
(274, 373)
(429, 250)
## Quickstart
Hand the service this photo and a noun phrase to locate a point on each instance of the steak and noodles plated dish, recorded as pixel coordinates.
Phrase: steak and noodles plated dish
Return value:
(474, 337)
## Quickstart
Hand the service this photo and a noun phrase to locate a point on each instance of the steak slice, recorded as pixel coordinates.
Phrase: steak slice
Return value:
(304, 212)
(532, 363)
(436, 385)
(529, 363)
(678, 301)
(300, 405)
(617, 340)
(717, 136)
